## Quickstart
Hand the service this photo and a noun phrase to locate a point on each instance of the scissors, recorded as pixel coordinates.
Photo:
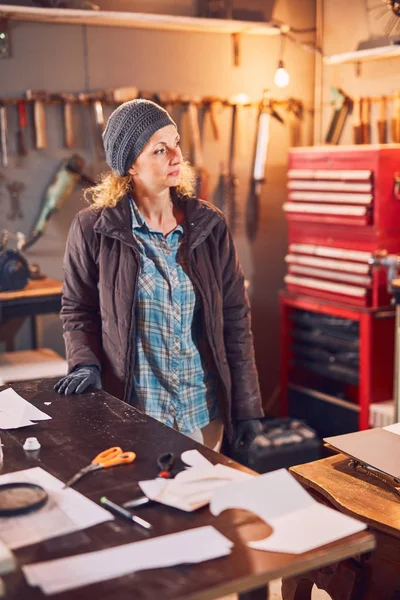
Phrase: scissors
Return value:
(108, 458)
(165, 463)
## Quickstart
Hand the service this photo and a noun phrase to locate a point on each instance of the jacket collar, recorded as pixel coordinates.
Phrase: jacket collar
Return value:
(117, 222)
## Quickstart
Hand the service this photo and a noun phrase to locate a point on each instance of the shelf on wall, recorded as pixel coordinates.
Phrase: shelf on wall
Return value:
(363, 55)
(138, 20)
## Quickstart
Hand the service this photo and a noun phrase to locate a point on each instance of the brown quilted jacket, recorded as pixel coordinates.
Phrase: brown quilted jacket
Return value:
(101, 267)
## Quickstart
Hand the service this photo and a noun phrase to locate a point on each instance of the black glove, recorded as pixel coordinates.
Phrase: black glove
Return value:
(246, 431)
(79, 380)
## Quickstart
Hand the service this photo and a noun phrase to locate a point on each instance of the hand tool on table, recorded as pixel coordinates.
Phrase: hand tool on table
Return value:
(343, 105)
(108, 458)
(265, 114)
(396, 119)
(21, 131)
(39, 117)
(3, 135)
(357, 130)
(382, 121)
(366, 120)
(165, 463)
(198, 158)
(122, 512)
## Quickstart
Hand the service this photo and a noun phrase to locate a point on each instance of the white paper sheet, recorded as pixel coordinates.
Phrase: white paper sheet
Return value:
(395, 428)
(65, 511)
(16, 412)
(191, 489)
(299, 523)
(192, 546)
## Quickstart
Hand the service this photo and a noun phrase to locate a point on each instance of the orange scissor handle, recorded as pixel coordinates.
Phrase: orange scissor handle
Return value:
(114, 456)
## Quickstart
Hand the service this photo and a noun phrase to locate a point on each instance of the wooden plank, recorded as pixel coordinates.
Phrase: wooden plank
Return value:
(353, 493)
(138, 20)
(35, 288)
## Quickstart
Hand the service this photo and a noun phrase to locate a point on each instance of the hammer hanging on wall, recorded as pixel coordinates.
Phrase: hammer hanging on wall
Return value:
(21, 131)
(198, 158)
(3, 135)
(39, 117)
(343, 105)
(265, 114)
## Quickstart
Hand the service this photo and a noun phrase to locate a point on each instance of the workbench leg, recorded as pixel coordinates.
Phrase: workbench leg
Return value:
(297, 589)
(260, 593)
(33, 328)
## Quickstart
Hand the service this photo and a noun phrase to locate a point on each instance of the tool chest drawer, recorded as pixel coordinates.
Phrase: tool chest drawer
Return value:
(341, 355)
(336, 273)
(346, 186)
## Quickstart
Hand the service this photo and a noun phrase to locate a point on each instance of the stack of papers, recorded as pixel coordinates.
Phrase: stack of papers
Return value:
(65, 511)
(192, 488)
(299, 522)
(192, 546)
(16, 412)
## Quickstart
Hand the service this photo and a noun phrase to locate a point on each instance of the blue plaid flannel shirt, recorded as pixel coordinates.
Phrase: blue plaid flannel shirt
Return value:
(173, 381)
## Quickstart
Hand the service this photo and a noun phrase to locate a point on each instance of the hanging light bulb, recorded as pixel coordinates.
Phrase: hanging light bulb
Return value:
(282, 77)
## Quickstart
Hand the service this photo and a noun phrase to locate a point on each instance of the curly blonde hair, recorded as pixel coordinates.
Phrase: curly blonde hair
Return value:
(112, 187)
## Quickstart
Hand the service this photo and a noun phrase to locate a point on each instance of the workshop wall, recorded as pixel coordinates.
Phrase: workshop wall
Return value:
(74, 58)
(375, 78)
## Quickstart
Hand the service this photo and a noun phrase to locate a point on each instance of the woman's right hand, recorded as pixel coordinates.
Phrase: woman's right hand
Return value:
(79, 380)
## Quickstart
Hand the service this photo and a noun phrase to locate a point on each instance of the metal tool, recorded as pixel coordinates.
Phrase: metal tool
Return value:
(122, 512)
(62, 185)
(366, 120)
(15, 189)
(198, 157)
(68, 101)
(3, 135)
(382, 121)
(14, 269)
(265, 114)
(39, 117)
(233, 181)
(396, 119)
(342, 107)
(108, 458)
(21, 131)
(166, 463)
(357, 129)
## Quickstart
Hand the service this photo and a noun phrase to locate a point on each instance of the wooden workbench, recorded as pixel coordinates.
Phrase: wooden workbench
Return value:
(374, 577)
(39, 297)
(84, 425)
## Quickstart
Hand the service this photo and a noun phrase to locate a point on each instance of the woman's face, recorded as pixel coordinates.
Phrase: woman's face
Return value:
(158, 166)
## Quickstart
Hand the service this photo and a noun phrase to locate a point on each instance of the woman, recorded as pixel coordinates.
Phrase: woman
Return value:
(154, 307)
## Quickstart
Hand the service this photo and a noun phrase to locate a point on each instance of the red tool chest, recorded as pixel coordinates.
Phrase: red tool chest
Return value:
(337, 321)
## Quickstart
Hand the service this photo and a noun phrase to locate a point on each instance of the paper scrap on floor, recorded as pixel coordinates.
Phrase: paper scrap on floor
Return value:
(191, 546)
(193, 487)
(16, 412)
(299, 522)
(65, 511)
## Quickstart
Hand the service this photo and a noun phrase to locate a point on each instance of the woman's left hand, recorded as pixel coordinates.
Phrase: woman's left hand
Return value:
(246, 431)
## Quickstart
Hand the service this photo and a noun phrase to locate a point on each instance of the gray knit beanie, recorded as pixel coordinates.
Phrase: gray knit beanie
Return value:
(128, 130)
